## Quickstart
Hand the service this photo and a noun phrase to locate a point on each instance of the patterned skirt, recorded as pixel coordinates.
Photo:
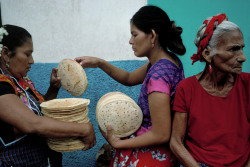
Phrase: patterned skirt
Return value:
(201, 165)
(158, 156)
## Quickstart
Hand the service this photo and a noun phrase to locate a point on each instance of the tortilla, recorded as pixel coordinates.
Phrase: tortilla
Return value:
(65, 144)
(65, 104)
(67, 110)
(119, 111)
(73, 77)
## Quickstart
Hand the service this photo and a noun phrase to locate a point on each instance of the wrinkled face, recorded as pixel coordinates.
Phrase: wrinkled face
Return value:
(140, 41)
(20, 64)
(229, 55)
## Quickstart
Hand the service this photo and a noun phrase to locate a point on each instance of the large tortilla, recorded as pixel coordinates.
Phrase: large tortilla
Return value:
(73, 77)
(119, 111)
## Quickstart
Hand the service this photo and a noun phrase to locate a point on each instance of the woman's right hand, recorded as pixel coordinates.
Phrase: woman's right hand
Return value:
(88, 62)
(89, 138)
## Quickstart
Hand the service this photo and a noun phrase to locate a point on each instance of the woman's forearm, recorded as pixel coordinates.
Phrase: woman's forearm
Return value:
(51, 128)
(27, 122)
(161, 124)
(145, 140)
(122, 76)
(48, 127)
(177, 140)
(51, 93)
(118, 74)
(182, 154)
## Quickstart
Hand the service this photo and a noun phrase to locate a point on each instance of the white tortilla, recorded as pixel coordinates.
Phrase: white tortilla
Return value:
(67, 110)
(65, 144)
(65, 104)
(119, 111)
(73, 77)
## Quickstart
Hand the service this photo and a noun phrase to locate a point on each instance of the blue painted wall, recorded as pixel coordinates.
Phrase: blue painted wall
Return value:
(98, 84)
(190, 14)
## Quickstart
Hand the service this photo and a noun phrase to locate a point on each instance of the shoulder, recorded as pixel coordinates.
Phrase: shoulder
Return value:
(188, 86)
(6, 79)
(165, 64)
(245, 76)
(243, 80)
(188, 82)
(164, 68)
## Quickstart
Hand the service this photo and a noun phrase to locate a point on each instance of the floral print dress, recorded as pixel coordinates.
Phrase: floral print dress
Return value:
(162, 77)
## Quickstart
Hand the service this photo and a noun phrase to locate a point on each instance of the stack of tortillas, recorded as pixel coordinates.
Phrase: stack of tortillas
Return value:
(68, 110)
(73, 77)
(119, 111)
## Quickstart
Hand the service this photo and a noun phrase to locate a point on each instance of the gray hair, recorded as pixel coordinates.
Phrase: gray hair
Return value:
(225, 26)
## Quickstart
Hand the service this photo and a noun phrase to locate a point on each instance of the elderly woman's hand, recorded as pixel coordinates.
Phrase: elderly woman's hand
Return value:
(88, 62)
(248, 163)
(55, 81)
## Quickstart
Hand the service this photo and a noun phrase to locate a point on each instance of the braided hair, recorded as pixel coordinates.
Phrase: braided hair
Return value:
(210, 32)
(150, 18)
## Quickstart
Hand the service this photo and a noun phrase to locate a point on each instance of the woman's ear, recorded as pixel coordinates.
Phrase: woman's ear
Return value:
(207, 54)
(154, 36)
(5, 53)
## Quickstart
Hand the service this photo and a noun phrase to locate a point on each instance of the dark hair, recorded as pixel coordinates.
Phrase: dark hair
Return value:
(150, 18)
(16, 37)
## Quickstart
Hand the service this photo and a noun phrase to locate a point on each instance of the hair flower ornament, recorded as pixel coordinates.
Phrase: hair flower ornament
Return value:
(2, 33)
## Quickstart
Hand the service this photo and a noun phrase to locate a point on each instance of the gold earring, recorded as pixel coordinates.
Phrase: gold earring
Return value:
(153, 45)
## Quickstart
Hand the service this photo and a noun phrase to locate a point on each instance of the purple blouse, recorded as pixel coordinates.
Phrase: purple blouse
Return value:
(162, 77)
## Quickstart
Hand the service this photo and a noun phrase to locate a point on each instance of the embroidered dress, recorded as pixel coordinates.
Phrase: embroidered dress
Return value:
(162, 77)
(21, 149)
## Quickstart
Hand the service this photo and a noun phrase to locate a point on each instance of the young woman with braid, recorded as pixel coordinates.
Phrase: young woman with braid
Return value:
(156, 37)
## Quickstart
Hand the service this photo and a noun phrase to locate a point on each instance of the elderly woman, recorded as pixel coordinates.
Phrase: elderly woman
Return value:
(211, 121)
(22, 124)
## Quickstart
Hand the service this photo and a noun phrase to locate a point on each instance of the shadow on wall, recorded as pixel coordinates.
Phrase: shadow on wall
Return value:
(99, 83)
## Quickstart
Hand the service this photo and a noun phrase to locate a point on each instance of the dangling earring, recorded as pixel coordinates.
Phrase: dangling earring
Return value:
(7, 65)
(153, 45)
(210, 69)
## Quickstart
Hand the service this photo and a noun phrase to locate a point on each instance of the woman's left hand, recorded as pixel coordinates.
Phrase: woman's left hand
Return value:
(55, 81)
(114, 141)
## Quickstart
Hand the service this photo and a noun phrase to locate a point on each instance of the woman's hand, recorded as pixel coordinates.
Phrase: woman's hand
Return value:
(55, 84)
(55, 81)
(88, 62)
(89, 139)
(111, 138)
(248, 163)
